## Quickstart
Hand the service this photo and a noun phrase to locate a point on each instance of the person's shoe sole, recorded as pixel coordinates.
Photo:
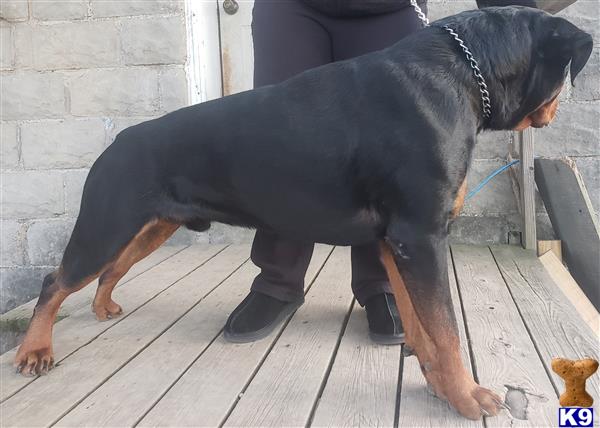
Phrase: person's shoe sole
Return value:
(253, 336)
(387, 339)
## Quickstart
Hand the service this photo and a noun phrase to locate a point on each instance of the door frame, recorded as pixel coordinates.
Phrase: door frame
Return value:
(203, 65)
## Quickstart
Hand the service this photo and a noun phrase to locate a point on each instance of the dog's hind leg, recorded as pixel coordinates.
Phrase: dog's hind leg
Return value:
(148, 239)
(419, 278)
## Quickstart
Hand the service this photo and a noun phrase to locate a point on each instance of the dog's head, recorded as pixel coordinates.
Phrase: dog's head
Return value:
(525, 55)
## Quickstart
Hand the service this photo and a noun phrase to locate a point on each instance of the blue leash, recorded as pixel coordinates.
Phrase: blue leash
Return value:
(489, 178)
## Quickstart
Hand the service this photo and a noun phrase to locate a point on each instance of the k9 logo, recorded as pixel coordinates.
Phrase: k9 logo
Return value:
(575, 417)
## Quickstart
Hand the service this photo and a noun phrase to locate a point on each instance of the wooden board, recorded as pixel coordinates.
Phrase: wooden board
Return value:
(295, 368)
(553, 323)
(85, 296)
(361, 387)
(414, 396)
(527, 187)
(211, 386)
(563, 279)
(82, 327)
(90, 366)
(505, 358)
(572, 216)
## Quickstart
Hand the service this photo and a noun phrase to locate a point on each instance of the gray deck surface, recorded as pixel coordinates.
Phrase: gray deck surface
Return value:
(164, 361)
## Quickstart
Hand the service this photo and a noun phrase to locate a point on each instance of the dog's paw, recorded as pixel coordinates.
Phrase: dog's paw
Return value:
(477, 402)
(33, 362)
(107, 311)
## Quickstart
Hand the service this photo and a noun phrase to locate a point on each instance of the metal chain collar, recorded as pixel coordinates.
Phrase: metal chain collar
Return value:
(483, 89)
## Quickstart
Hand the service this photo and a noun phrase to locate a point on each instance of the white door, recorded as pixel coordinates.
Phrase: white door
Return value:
(237, 55)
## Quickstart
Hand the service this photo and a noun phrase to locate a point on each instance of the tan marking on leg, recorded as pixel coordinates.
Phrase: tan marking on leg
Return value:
(35, 355)
(148, 239)
(440, 359)
(460, 199)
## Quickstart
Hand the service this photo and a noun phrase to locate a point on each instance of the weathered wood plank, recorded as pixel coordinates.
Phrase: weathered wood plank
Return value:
(361, 388)
(114, 404)
(82, 327)
(221, 373)
(295, 368)
(91, 365)
(563, 279)
(555, 325)
(527, 181)
(85, 296)
(505, 358)
(418, 407)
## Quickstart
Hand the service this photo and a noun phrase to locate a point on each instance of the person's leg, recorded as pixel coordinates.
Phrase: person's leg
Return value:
(287, 40)
(370, 284)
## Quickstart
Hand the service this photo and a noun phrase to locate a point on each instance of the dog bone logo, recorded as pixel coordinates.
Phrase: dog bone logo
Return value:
(575, 373)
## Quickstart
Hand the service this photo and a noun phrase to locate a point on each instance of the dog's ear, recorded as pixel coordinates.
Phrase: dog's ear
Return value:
(567, 43)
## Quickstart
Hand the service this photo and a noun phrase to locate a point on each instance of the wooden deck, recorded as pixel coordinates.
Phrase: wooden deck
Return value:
(165, 363)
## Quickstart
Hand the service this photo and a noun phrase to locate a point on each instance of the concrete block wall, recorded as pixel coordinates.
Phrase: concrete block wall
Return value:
(73, 74)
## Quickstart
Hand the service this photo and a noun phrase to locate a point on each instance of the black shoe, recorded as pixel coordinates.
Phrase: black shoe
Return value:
(385, 327)
(256, 317)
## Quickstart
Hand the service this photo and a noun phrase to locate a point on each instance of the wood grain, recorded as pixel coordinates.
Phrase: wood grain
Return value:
(527, 187)
(296, 366)
(505, 357)
(361, 388)
(211, 386)
(555, 325)
(82, 326)
(91, 365)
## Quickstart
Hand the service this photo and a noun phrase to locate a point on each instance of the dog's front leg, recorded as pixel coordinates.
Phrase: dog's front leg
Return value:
(418, 274)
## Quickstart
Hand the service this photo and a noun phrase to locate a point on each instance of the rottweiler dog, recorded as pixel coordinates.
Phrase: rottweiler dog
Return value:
(375, 148)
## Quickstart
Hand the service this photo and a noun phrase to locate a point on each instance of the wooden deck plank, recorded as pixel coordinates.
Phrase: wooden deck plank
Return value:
(91, 365)
(82, 326)
(419, 407)
(211, 386)
(555, 325)
(361, 388)
(294, 369)
(85, 296)
(505, 357)
(113, 403)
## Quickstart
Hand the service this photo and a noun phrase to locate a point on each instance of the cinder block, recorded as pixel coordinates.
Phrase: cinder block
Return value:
(224, 234)
(7, 52)
(62, 143)
(438, 9)
(480, 230)
(492, 145)
(574, 132)
(21, 95)
(47, 239)
(14, 10)
(496, 197)
(9, 145)
(105, 8)
(68, 45)
(587, 84)
(20, 285)
(12, 243)
(118, 124)
(59, 9)
(32, 194)
(74, 181)
(153, 41)
(127, 92)
(173, 89)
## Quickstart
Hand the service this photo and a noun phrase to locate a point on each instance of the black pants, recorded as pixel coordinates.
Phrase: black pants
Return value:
(290, 37)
